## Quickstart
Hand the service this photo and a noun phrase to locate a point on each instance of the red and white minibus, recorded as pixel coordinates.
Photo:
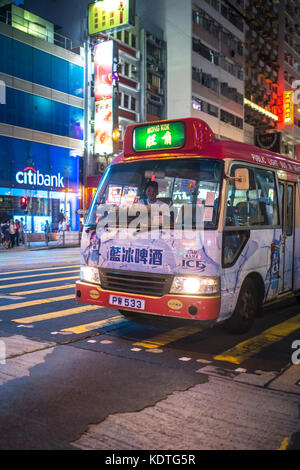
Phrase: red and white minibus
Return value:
(185, 225)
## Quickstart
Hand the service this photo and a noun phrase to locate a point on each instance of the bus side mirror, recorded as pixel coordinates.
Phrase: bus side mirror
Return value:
(241, 178)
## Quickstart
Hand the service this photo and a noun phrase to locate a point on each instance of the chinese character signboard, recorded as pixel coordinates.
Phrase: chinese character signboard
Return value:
(148, 256)
(168, 135)
(104, 53)
(111, 15)
(288, 108)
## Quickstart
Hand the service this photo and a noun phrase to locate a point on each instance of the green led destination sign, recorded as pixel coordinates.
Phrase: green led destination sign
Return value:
(161, 136)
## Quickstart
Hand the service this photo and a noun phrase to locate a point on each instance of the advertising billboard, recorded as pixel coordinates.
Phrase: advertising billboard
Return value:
(104, 54)
(288, 108)
(111, 15)
(33, 165)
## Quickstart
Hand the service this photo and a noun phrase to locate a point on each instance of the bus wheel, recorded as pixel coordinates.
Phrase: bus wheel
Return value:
(246, 309)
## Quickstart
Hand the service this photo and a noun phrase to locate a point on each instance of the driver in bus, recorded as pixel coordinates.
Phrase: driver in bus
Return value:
(151, 192)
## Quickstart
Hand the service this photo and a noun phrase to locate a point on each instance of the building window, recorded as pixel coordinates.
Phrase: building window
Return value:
(205, 79)
(126, 101)
(133, 103)
(133, 40)
(231, 119)
(204, 106)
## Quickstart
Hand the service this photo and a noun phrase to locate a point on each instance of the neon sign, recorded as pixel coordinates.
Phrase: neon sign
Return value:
(31, 176)
(288, 108)
(107, 15)
(167, 135)
(105, 52)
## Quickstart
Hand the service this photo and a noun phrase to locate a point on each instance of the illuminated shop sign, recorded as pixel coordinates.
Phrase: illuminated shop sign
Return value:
(105, 55)
(288, 108)
(108, 15)
(167, 135)
(31, 176)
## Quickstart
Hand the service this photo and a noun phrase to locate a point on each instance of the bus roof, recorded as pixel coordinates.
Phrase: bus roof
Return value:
(193, 137)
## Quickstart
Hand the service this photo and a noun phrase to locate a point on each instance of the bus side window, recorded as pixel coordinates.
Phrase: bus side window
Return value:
(242, 208)
(233, 244)
(256, 206)
(267, 197)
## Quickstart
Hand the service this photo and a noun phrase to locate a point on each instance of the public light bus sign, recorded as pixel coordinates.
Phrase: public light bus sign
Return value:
(288, 108)
(162, 136)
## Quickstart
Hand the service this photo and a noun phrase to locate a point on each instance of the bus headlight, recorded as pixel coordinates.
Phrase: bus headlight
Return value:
(192, 285)
(89, 274)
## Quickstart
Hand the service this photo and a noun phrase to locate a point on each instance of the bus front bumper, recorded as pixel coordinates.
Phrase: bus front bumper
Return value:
(179, 306)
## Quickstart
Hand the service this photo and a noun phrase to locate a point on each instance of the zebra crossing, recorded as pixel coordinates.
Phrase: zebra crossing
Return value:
(46, 296)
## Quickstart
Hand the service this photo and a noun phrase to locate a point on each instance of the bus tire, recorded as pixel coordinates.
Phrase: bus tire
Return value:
(246, 309)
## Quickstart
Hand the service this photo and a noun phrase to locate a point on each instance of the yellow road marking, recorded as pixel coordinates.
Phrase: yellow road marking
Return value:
(38, 275)
(19, 284)
(168, 337)
(46, 289)
(31, 303)
(93, 326)
(285, 443)
(248, 348)
(38, 269)
(51, 315)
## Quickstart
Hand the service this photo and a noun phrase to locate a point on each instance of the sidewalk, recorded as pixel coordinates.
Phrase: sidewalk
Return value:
(36, 246)
(38, 256)
(37, 241)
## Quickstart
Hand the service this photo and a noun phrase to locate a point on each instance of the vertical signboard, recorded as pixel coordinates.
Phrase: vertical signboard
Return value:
(288, 108)
(108, 15)
(104, 53)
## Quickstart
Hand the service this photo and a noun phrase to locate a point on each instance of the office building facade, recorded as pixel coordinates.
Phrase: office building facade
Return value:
(41, 121)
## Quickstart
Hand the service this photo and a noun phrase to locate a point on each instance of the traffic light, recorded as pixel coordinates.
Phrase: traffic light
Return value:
(23, 202)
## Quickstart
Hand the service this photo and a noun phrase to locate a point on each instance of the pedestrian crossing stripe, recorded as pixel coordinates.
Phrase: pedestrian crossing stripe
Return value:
(45, 289)
(38, 275)
(31, 303)
(95, 325)
(38, 269)
(56, 314)
(43, 281)
(248, 348)
(169, 337)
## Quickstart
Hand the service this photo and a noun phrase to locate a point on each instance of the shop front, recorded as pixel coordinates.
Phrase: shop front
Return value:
(38, 182)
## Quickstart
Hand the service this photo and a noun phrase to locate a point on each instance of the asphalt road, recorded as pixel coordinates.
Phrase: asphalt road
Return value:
(73, 376)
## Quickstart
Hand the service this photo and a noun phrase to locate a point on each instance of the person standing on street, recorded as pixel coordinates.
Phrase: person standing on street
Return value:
(21, 231)
(47, 231)
(17, 234)
(12, 233)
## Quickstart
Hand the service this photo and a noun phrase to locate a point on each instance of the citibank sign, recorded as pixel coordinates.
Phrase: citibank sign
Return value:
(31, 176)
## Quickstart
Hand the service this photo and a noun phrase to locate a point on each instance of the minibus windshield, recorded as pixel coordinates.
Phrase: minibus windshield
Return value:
(180, 184)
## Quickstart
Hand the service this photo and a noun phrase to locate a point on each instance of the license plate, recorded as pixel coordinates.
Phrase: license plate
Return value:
(127, 302)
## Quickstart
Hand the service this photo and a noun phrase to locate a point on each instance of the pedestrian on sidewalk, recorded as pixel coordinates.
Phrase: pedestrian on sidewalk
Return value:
(5, 234)
(12, 233)
(47, 231)
(17, 234)
(21, 231)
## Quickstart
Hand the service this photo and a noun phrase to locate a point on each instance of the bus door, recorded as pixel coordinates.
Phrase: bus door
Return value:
(287, 199)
